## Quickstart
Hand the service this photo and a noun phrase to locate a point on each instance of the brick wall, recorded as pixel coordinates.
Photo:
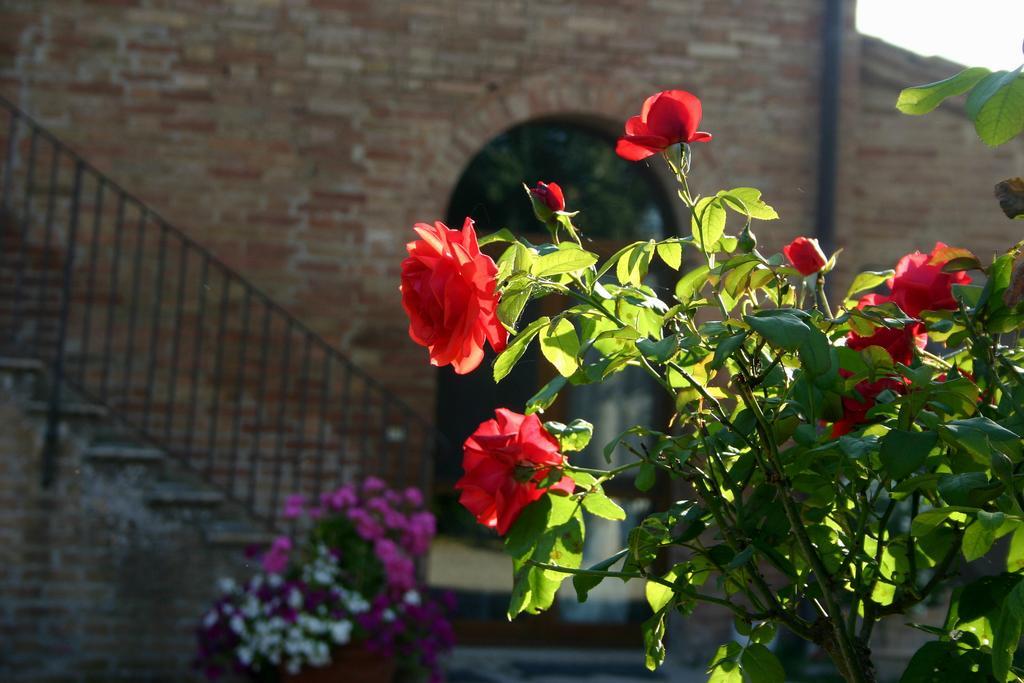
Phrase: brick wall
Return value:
(300, 139)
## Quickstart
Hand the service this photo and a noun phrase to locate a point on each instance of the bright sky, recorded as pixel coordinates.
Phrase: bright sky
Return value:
(972, 32)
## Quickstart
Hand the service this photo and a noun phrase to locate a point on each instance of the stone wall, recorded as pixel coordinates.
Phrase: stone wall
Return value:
(98, 585)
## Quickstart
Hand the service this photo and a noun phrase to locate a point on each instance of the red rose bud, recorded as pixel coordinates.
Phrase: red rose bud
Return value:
(805, 255)
(667, 118)
(550, 194)
(505, 462)
(448, 292)
(919, 283)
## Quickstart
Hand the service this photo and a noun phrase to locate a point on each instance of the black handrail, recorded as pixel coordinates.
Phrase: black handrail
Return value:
(133, 315)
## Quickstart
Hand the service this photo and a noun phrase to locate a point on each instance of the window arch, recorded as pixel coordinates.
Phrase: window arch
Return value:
(623, 201)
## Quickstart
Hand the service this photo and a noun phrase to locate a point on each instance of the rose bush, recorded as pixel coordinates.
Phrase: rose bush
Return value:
(830, 467)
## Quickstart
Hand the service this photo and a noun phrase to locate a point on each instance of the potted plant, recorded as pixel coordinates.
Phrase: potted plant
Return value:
(343, 602)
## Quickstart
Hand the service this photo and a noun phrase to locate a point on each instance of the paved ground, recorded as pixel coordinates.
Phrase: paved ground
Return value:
(524, 665)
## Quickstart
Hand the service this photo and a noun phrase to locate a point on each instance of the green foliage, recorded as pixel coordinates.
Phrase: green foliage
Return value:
(995, 102)
(808, 472)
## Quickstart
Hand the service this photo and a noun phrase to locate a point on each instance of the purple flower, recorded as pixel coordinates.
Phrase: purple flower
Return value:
(275, 560)
(294, 505)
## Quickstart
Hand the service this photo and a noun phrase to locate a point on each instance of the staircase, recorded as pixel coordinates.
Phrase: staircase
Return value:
(130, 316)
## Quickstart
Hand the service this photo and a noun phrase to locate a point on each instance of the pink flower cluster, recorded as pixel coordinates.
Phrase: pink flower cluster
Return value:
(394, 522)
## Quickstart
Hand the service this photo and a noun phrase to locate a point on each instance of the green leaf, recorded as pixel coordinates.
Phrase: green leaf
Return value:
(597, 503)
(573, 436)
(552, 534)
(654, 634)
(561, 346)
(658, 351)
(969, 489)
(946, 662)
(584, 583)
(645, 478)
(632, 266)
(543, 399)
(997, 107)
(928, 521)
(781, 328)
(726, 347)
(747, 200)
(503, 235)
(759, 665)
(978, 538)
(658, 594)
(566, 259)
(922, 99)
(903, 452)
(671, 252)
(508, 358)
(708, 222)
(1015, 556)
(724, 667)
(817, 356)
(512, 303)
(691, 283)
(868, 280)
(1006, 629)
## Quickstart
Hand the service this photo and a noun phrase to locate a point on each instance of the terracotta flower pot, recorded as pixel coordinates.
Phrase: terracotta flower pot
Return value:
(350, 664)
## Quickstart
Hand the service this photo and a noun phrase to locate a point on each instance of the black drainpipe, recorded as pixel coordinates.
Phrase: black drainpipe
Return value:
(828, 139)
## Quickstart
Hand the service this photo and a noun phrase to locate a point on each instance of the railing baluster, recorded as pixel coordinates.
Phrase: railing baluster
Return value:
(362, 437)
(197, 346)
(325, 391)
(282, 405)
(115, 275)
(90, 286)
(261, 395)
(218, 364)
(133, 309)
(12, 152)
(239, 385)
(154, 336)
(52, 439)
(172, 381)
(300, 450)
(344, 421)
(26, 223)
(51, 202)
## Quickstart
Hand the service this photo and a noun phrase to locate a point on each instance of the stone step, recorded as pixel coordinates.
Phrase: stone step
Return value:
(237, 534)
(176, 495)
(124, 454)
(68, 409)
(17, 364)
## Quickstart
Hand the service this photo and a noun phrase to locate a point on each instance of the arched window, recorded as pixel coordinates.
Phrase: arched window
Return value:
(620, 202)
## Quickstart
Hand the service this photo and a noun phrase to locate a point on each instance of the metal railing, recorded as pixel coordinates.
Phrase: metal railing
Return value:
(131, 314)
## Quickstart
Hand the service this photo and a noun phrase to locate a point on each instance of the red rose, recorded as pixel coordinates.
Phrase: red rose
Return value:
(550, 194)
(805, 255)
(504, 461)
(899, 342)
(448, 291)
(920, 285)
(855, 408)
(669, 117)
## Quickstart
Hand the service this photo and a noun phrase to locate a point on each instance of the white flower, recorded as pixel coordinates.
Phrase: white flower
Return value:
(293, 666)
(237, 624)
(341, 632)
(388, 614)
(275, 580)
(294, 599)
(411, 598)
(210, 619)
(227, 585)
(245, 655)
